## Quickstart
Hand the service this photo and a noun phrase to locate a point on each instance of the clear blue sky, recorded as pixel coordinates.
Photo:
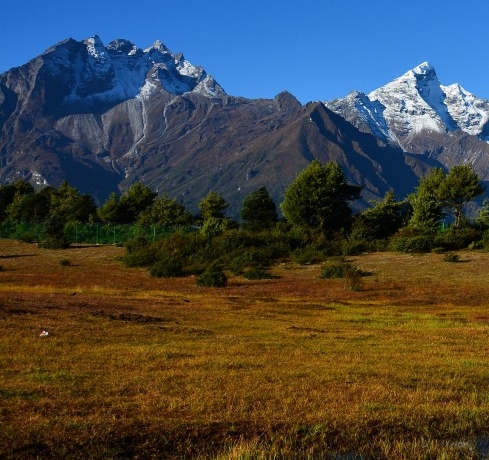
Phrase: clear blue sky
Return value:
(316, 49)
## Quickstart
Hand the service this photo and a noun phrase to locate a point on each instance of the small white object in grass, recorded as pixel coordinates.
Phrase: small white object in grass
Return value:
(44, 333)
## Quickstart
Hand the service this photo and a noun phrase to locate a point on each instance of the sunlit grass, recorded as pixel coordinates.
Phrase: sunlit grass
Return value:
(292, 367)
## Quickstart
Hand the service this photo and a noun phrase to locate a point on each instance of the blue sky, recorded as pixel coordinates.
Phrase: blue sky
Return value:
(315, 49)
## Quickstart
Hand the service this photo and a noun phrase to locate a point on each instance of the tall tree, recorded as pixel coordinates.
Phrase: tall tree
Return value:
(460, 186)
(7, 194)
(165, 212)
(213, 205)
(212, 209)
(427, 203)
(482, 219)
(29, 207)
(136, 200)
(71, 206)
(319, 198)
(382, 220)
(109, 212)
(259, 211)
(439, 191)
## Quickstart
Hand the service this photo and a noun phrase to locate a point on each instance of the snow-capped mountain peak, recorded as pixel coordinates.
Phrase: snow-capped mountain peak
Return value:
(423, 69)
(157, 46)
(96, 48)
(414, 103)
(94, 75)
(123, 46)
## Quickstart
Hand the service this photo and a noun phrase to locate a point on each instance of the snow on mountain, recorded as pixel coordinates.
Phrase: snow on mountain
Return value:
(121, 71)
(412, 104)
(470, 113)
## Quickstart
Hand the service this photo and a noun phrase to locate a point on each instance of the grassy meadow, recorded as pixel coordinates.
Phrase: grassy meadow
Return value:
(294, 367)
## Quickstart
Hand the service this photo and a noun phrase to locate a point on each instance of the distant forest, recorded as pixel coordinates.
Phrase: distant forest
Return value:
(317, 222)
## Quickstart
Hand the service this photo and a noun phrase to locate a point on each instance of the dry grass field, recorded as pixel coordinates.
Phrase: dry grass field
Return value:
(287, 368)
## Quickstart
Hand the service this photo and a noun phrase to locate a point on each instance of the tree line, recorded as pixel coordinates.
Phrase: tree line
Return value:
(317, 217)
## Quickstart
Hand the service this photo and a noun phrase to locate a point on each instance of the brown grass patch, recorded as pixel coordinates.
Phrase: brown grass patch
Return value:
(291, 367)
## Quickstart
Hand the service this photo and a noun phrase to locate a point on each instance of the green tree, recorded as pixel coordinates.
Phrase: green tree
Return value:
(165, 212)
(427, 202)
(482, 219)
(212, 206)
(259, 211)
(110, 212)
(382, 220)
(7, 194)
(318, 198)
(137, 199)
(30, 207)
(460, 186)
(71, 206)
(439, 191)
(212, 209)
(213, 276)
(54, 237)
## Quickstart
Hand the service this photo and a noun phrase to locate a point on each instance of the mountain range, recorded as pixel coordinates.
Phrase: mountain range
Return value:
(103, 117)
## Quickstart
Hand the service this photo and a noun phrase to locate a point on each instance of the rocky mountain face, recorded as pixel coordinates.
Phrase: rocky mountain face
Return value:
(418, 114)
(103, 117)
(80, 111)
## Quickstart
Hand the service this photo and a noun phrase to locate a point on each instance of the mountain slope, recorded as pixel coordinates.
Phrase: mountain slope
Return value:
(103, 117)
(420, 115)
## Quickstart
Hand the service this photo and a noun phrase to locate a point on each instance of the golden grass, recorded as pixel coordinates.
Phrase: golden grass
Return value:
(292, 367)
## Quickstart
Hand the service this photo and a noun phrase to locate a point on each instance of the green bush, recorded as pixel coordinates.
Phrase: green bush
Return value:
(167, 267)
(214, 276)
(457, 238)
(236, 239)
(353, 246)
(137, 244)
(26, 238)
(55, 242)
(412, 244)
(257, 273)
(139, 253)
(339, 269)
(451, 257)
(245, 259)
(144, 257)
(309, 254)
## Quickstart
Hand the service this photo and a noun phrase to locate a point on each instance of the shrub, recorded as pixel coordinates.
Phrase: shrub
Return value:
(55, 242)
(167, 267)
(65, 262)
(236, 239)
(143, 257)
(212, 277)
(451, 257)
(309, 254)
(339, 269)
(140, 253)
(247, 259)
(412, 244)
(354, 281)
(457, 238)
(214, 226)
(26, 238)
(352, 246)
(257, 273)
(137, 244)
(203, 256)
